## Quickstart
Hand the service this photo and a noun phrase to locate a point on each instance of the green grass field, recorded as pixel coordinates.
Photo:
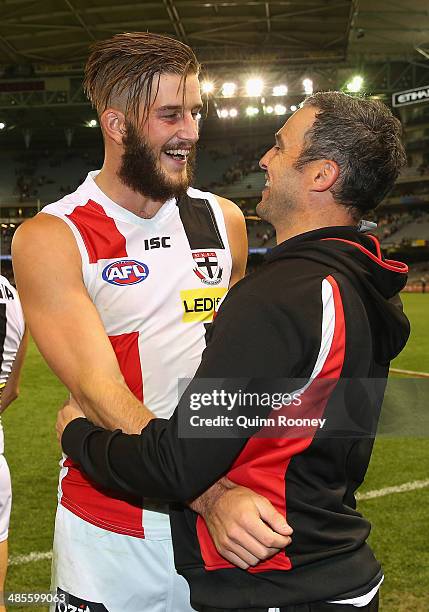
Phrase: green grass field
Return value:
(399, 535)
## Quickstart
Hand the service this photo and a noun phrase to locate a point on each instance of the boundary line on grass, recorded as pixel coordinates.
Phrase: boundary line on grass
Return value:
(33, 556)
(410, 372)
(403, 488)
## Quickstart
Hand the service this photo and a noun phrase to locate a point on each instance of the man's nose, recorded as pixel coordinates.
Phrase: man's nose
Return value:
(263, 162)
(189, 129)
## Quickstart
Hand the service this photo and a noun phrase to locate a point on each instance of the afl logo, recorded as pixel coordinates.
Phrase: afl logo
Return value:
(125, 272)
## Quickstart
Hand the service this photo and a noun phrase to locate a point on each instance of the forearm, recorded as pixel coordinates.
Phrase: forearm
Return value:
(7, 396)
(110, 404)
(206, 500)
(11, 390)
(155, 463)
(165, 464)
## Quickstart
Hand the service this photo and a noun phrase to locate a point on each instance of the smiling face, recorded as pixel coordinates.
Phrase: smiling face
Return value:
(158, 157)
(285, 186)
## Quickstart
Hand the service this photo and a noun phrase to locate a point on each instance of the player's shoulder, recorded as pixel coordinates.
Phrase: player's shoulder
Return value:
(43, 233)
(234, 219)
(3, 280)
(231, 212)
(52, 218)
(7, 287)
(65, 205)
(230, 208)
(38, 226)
(9, 296)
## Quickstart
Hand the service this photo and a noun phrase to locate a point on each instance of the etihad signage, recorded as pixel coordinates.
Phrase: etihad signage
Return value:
(411, 96)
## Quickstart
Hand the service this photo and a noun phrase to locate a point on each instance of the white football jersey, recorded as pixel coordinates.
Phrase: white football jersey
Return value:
(155, 283)
(12, 327)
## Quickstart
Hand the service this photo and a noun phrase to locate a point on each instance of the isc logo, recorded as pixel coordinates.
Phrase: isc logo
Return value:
(125, 272)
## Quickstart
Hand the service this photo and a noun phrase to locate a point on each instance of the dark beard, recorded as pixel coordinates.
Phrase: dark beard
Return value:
(140, 170)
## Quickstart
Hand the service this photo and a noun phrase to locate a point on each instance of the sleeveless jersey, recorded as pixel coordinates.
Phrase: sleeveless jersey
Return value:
(155, 283)
(12, 327)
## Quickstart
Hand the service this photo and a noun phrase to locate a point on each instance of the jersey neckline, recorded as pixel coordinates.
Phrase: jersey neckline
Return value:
(118, 212)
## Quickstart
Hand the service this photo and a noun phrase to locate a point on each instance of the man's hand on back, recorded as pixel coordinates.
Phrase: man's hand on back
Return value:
(69, 411)
(245, 527)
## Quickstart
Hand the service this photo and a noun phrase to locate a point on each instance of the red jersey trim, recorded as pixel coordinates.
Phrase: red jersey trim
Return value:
(126, 347)
(88, 518)
(263, 463)
(99, 233)
(83, 497)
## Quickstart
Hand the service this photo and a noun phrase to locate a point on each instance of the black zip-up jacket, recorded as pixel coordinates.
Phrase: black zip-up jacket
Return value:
(321, 309)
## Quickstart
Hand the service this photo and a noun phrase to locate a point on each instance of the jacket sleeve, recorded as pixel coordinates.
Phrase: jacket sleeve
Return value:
(249, 339)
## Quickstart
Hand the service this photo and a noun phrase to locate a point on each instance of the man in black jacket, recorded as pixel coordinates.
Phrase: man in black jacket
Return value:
(317, 322)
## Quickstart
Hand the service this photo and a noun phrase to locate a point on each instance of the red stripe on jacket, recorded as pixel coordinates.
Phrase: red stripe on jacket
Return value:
(263, 463)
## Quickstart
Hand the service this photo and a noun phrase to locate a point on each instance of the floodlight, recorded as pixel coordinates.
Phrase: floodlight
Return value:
(293, 108)
(2, 125)
(280, 109)
(92, 123)
(308, 86)
(269, 110)
(251, 111)
(228, 90)
(279, 90)
(207, 87)
(233, 112)
(254, 87)
(355, 84)
(223, 114)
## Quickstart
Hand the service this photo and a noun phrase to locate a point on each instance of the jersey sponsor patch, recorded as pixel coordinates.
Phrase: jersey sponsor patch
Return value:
(207, 267)
(125, 272)
(200, 304)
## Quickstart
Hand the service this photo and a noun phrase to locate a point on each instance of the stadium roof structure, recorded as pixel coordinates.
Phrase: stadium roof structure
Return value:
(44, 45)
(224, 32)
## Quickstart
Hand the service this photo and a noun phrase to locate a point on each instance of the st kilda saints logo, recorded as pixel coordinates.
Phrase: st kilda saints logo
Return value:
(207, 267)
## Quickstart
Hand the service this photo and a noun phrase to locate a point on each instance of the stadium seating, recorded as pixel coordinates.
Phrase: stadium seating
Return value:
(44, 176)
(415, 230)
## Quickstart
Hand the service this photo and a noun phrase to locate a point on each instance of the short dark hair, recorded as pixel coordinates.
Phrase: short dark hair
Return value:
(127, 64)
(364, 138)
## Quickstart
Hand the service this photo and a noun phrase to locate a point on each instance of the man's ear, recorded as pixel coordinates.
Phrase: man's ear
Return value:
(325, 174)
(112, 122)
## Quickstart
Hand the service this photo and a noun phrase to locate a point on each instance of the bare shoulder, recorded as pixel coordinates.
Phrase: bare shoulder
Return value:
(237, 237)
(41, 223)
(43, 232)
(231, 211)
